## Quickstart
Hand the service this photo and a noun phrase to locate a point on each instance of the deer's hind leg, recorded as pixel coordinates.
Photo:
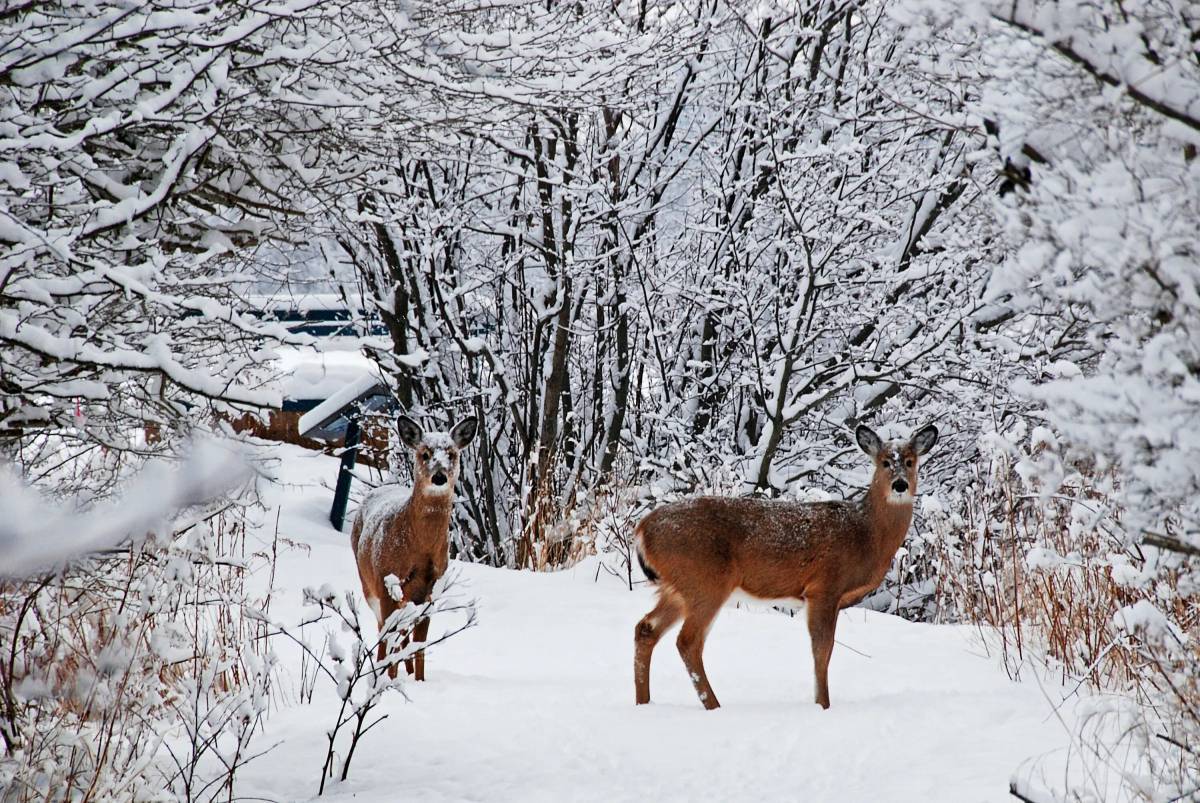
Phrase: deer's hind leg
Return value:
(698, 619)
(647, 635)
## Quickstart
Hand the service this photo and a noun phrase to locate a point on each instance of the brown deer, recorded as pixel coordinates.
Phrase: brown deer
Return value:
(829, 554)
(407, 535)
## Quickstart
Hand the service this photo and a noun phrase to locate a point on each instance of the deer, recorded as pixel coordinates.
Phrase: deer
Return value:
(699, 551)
(406, 534)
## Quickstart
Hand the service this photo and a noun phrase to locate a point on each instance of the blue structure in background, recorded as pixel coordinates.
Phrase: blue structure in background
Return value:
(339, 417)
(335, 322)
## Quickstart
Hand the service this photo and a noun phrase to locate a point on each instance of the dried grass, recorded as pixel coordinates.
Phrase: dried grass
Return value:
(1048, 573)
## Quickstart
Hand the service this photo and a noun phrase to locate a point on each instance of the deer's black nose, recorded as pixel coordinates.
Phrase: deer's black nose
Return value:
(900, 486)
(439, 478)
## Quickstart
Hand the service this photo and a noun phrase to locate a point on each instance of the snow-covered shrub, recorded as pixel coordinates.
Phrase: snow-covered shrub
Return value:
(1106, 248)
(139, 673)
(360, 665)
(1039, 554)
(42, 529)
(1031, 549)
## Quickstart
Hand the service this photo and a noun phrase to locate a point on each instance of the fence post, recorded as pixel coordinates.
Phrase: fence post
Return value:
(341, 493)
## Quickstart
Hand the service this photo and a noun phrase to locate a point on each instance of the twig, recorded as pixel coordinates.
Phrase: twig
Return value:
(1169, 543)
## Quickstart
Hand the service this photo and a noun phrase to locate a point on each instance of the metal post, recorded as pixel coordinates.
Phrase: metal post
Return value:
(341, 493)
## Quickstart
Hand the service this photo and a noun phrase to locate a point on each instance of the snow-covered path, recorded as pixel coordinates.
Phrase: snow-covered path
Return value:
(536, 702)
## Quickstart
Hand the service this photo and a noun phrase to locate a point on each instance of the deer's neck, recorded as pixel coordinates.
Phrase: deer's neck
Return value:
(428, 504)
(887, 519)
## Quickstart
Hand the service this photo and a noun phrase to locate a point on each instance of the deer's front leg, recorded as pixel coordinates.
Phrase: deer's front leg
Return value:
(417, 590)
(822, 623)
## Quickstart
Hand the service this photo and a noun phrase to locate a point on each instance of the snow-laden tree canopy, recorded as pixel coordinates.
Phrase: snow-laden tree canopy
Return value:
(146, 151)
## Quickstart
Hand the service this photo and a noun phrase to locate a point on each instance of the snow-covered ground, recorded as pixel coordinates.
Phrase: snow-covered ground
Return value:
(536, 702)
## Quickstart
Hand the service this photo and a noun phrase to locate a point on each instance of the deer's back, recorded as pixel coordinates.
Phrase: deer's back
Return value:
(380, 529)
(763, 545)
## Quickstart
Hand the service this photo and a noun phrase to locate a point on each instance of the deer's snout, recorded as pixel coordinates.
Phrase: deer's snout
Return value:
(900, 486)
(440, 466)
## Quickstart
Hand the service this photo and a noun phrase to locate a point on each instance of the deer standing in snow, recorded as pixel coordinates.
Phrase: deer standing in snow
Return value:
(407, 535)
(830, 554)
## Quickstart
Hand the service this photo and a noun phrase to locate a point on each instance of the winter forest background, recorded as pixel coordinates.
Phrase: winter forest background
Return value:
(657, 248)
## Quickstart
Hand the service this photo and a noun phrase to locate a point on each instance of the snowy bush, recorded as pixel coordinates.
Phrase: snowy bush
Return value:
(1041, 556)
(360, 667)
(136, 674)
(1103, 238)
(1092, 111)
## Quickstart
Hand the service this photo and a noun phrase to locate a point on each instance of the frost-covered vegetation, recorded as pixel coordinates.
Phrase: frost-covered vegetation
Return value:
(656, 248)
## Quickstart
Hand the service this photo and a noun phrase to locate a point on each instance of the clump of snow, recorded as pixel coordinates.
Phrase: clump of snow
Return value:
(1043, 559)
(332, 406)
(814, 495)
(1126, 574)
(37, 533)
(414, 359)
(438, 440)
(1142, 618)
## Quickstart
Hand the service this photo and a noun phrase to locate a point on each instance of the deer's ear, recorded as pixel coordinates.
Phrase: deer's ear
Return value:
(410, 431)
(924, 440)
(868, 441)
(464, 431)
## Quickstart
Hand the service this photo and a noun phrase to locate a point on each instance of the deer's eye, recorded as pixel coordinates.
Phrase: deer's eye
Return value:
(909, 462)
(887, 463)
(424, 454)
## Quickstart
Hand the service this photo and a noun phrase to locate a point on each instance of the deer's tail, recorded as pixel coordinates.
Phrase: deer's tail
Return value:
(651, 575)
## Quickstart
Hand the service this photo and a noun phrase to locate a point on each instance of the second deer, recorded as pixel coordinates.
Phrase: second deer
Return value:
(829, 554)
(407, 534)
